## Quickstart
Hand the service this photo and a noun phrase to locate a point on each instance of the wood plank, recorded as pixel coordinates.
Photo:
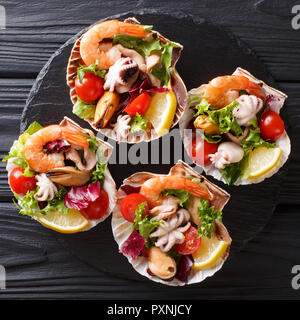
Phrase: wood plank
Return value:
(44, 269)
(13, 95)
(258, 272)
(27, 43)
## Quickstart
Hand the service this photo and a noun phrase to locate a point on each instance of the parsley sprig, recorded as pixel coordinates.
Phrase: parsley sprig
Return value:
(208, 215)
(81, 70)
(144, 225)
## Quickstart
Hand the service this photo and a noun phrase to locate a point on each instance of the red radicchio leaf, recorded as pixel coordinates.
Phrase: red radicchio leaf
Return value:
(80, 197)
(42, 204)
(138, 88)
(130, 189)
(57, 146)
(144, 253)
(160, 89)
(133, 245)
(184, 267)
(271, 102)
(150, 273)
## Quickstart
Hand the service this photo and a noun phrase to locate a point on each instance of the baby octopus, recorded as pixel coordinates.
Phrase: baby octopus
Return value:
(121, 75)
(228, 152)
(171, 231)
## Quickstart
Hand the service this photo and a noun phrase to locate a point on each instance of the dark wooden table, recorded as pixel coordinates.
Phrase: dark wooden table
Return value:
(37, 266)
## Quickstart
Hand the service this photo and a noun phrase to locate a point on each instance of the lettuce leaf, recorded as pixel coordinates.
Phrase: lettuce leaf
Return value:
(98, 173)
(232, 172)
(56, 204)
(29, 206)
(254, 140)
(144, 225)
(81, 70)
(166, 58)
(144, 48)
(84, 110)
(93, 144)
(221, 117)
(207, 215)
(138, 124)
(16, 150)
(182, 195)
(215, 138)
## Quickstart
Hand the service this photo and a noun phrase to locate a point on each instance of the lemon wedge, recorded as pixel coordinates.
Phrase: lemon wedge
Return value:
(209, 252)
(70, 222)
(161, 111)
(262, 160)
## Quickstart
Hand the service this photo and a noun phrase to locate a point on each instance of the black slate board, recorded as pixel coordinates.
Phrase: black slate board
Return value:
(208, 52)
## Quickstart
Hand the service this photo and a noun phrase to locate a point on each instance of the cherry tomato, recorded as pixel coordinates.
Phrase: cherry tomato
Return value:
(139, 105)
(271, 125)
(130, 203)
(191, 243)
(199, 149)
(98, 208)
(91, 87)
(19, 183)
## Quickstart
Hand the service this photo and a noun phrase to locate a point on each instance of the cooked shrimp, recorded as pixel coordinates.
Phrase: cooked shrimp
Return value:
(91, 51)
(223, 90)
(153, 187)
(41, 161)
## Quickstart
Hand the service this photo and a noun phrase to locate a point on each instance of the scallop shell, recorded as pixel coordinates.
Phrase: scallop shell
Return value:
(122, 228)
(109, 183)
(283, 142)
(178, 87)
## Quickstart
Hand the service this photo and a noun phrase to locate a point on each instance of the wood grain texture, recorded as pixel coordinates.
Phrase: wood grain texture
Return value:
(28, 42)
(37, 266)
(258, 272)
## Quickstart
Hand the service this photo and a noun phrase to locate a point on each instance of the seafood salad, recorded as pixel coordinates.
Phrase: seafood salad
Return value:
(235, 131)
(123, 80)
(170, 226)
(60, 178)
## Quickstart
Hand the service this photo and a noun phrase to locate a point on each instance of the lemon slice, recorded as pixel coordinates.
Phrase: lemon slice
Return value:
(209, 252)
(161, 111)
(70, 222)
(262, 160)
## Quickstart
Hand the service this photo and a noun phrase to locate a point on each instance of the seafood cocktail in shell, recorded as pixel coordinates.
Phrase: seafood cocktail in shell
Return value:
(232, 128)
(60, 178)
(170, 226)
(123, 81)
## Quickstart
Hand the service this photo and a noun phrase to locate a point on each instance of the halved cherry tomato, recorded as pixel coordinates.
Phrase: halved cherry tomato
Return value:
(130, 203)
(139, 105)
(199, 149)
(91, 87)
(271, 125)
(191, 243)
(98, 208)
(19, 183)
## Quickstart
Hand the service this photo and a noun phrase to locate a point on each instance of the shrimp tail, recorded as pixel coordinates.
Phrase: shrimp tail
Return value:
(196, 190)
(74, 137)
(132, 30)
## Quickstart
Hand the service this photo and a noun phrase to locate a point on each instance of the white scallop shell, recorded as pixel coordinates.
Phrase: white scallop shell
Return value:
(283, 142)
(122, 228)
(109, 183)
